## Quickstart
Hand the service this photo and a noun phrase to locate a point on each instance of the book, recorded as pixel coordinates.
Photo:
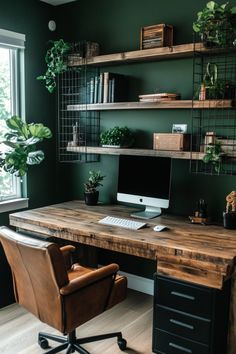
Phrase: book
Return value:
(160, 96)
(100, 89)
(114, 87)
(105, 86)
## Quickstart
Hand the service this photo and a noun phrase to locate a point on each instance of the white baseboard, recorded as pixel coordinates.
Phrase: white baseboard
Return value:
(141, 284)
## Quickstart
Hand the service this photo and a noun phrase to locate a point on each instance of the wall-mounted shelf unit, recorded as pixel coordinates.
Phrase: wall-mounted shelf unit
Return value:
(163, 53)
(175, 104)
(186, 155)
(215, 127)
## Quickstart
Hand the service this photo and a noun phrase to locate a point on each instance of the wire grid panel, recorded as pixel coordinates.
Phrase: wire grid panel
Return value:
(215, 122)
(79, 128)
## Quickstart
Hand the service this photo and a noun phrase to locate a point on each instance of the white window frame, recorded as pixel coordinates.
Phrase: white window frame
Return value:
(15, 42)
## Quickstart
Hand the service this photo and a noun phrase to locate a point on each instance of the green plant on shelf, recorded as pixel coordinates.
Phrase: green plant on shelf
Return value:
(216, 24)
(214, 156)
(117, 136)
(21, 142)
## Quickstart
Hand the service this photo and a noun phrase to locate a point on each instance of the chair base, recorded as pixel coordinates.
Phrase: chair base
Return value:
(72, 344)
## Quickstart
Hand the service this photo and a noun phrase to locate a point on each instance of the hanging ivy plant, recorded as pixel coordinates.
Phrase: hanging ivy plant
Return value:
(55, 60)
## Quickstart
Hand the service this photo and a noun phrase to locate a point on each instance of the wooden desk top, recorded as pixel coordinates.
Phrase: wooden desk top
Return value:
(197, 253)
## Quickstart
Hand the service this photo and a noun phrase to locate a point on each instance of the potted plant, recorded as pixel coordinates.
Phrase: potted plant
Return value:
(21, 141)
(56, 64)
(229, 216)
(91, 192)
(117, 137)
(215, 24)
(214, 156)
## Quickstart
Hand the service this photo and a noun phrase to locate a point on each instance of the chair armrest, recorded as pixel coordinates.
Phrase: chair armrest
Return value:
(67, 255)
(90, 278)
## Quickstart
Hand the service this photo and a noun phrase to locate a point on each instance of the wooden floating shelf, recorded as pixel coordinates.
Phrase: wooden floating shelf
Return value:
(175, 104)
(186, 155)
(152, 54)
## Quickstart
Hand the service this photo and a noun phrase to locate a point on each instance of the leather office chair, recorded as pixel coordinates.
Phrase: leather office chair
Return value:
(59, 293)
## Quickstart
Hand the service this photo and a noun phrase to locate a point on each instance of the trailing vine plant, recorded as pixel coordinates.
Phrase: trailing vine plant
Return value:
(56, 64)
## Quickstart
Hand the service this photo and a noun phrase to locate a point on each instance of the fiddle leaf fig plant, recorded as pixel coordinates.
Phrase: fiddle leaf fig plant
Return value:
(56, 64)
(21, 141)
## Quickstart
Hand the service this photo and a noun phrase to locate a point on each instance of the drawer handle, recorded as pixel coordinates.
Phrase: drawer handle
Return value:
(186, 350)
(179, 323)
(189, 297)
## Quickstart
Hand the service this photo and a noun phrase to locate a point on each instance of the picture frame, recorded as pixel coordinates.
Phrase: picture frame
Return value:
(179, 128)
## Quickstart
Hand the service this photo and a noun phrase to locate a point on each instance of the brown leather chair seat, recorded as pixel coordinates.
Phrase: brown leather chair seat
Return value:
(62, 294)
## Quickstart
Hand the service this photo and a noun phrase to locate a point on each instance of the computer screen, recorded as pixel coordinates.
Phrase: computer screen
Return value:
(145, 180)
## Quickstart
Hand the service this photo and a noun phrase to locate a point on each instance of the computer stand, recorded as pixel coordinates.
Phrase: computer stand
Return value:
(148, 213)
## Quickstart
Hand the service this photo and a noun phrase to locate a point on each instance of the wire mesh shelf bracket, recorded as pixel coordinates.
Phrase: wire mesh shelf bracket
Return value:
(214, 121)
(77, 127)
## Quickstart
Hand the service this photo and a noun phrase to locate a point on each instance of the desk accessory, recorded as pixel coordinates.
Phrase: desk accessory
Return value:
(200, 215)
(229, 216)
(159, 228)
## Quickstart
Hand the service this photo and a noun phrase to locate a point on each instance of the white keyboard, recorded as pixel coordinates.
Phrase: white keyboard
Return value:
(126, 223)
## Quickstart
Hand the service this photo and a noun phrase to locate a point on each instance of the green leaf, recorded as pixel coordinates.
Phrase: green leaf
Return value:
(211, 5)
(14, 123)
(35, 157)
(233, 10)
(40, 131)
(196, 27)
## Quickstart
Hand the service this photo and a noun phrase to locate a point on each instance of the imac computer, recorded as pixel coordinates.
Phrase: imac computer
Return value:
(145, 180)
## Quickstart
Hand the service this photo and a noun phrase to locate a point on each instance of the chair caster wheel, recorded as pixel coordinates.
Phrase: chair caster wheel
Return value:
(43, 343)
(122, 344)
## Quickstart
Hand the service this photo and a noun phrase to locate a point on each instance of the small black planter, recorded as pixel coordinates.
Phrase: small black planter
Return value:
(229, 220)
(91, 198)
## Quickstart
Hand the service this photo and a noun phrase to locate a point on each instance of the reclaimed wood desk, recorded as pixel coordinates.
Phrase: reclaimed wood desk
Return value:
(204, 255)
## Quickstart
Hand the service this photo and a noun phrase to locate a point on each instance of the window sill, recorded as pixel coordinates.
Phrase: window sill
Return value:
(13, 204)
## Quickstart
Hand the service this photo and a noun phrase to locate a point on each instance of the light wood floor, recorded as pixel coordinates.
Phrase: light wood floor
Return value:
(19, 329)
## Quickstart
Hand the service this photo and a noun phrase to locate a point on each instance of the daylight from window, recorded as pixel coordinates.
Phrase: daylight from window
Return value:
(8, 183)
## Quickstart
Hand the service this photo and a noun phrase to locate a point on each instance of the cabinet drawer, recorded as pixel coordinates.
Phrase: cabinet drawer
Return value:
(166, 343)
(192, 299)
(182, 325)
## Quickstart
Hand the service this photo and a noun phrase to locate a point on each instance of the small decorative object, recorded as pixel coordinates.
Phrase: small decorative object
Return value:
(91, 192)
(160, 35)
(156, 97)
(56, 64)
(200, 215)
(214, 155)
(229, 216)
(215, 24)
(21, 141)
(171, 141)
(179, 128)
(214, 88)
(117, 137)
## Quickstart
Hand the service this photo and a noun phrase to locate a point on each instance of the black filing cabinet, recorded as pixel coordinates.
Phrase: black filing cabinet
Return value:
(189, 318)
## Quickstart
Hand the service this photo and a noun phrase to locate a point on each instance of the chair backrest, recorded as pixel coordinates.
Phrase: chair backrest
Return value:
(38, 271)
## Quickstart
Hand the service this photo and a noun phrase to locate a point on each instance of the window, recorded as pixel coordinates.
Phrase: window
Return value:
(11, 93)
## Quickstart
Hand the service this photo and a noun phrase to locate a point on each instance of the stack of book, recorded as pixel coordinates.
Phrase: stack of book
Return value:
(107, 88)
(155, 97)
(156, 36)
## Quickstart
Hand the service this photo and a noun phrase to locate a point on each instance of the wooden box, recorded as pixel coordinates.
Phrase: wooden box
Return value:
(156, 36)
(171, 141)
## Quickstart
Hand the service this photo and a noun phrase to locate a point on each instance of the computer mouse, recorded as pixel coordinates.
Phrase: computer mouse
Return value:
(159, 228)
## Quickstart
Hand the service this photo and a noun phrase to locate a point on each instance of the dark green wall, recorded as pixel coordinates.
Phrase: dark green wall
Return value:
(31, 18)
(116, 26)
